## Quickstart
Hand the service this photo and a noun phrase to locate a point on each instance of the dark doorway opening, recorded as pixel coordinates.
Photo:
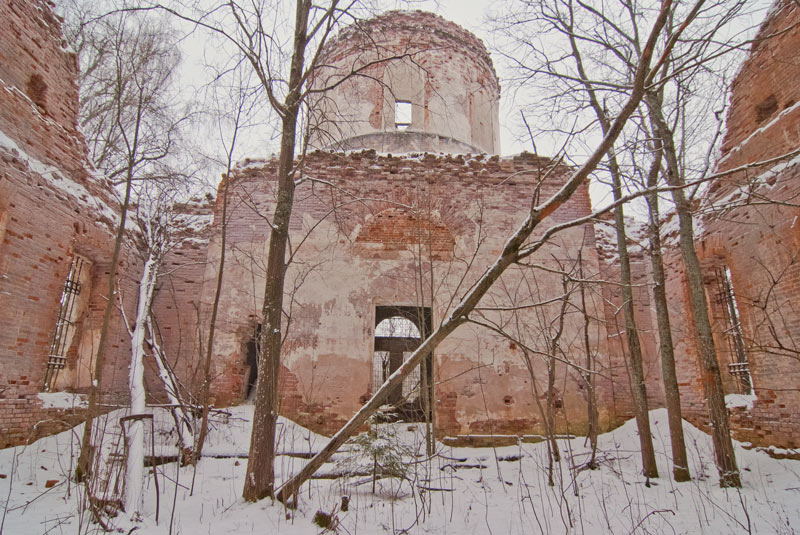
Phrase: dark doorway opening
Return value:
(252, 362)
(399, 330)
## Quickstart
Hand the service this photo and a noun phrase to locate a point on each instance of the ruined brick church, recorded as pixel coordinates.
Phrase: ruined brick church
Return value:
(401, 205)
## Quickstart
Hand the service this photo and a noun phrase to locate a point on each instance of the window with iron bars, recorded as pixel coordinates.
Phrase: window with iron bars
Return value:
(65, 324)
(738, 365)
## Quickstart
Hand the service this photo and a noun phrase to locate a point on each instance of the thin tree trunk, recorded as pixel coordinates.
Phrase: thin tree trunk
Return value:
(86, 457)
(510, 254)
(134, 462)
(635, 369)
(712, 380)
(205, 390)
(543, 413)
(588, 374)
(426, 379)
(259, 482)
(172, 389)
(680, 464)
(551, 371)
(260, 478)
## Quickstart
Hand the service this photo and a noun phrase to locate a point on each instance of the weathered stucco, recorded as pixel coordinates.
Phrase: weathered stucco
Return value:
(444, 71)
(366, 229)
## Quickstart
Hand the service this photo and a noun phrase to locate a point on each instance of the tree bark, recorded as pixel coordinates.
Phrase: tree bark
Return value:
(510, 254)
(205, 390)
(712, 380)
(635, 370)
(680, 464)
(588, 373)
(260, 479)
(86, 457)
(134, 461)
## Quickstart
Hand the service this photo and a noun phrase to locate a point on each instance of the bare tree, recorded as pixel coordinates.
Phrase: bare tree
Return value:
(602, 41)
(635, 370)
(284, 76)
(680, 463)
(515, 249)
(712, 380)
(234, 120)
(157, 220)
(310, 26)
(674, 82)
(127, 64)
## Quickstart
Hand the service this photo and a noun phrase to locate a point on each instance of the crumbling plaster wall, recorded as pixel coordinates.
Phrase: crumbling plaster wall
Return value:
(361, 254)
(443, 70)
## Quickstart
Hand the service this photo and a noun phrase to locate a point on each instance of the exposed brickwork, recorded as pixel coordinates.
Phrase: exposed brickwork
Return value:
(358, 257)
(182, 328)
(372, 230)
(394, 230)
(615, 377)
(442, 70)
(758, 241)
(51, 207)
(764, 107)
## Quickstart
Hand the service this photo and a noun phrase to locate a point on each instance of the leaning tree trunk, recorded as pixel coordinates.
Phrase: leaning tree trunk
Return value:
(509, 255)
(712, 380)
(172, 389)
(134, 433)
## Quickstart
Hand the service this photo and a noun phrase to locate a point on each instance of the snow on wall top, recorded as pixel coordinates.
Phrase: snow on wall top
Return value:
(61, 182)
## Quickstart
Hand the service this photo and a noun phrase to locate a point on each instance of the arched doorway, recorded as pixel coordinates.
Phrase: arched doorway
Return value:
(399, 330)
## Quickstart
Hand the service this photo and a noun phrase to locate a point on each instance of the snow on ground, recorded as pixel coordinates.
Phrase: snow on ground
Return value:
(459, 491)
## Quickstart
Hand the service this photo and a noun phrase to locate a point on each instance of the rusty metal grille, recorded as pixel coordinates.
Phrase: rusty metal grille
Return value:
(381, 371)
(738, 366)
(65, 324)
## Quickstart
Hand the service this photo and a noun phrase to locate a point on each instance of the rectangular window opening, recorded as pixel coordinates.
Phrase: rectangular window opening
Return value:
(65, 324)
(738, 365)
(402, 114)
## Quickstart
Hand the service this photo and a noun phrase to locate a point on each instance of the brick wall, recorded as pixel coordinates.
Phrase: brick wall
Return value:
(750, 227)
(364, 251)
(180, 321)
(616, 375)
(443, 71)
(51, 208)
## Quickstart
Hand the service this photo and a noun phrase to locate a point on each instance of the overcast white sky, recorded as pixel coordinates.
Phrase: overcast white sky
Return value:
(472, 15)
